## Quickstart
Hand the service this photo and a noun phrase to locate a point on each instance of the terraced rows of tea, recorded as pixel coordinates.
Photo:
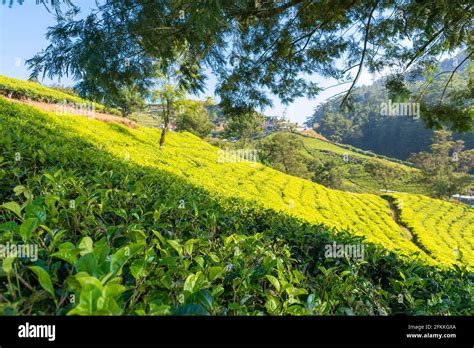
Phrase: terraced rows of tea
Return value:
(190, 157)
(445, 229)
(364, 214)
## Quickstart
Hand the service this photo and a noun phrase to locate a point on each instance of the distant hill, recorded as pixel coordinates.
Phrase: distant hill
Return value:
(355, 159)
(396, 137)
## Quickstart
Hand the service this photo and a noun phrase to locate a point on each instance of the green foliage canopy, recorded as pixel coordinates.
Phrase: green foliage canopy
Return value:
(256, 48)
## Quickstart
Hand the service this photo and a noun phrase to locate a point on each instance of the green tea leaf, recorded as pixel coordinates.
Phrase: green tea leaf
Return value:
(88, 298)
(19, 190)
(8, 263)
(188, 246)
(44, 279)
(27, 228)
(176, 246)
(121, 212)
(193, 282)
(138, 269)
(216, 272)
(35, 210)
(190, 309)
(113, 290)
(274, 282)
(67, 252)
(10, 226)
(121, 256)
(14, 207)
(86, 280)
(87, 263)
(272, 305)
(85, 246)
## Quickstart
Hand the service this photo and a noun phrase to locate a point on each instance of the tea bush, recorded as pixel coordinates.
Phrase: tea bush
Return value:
(150, 232)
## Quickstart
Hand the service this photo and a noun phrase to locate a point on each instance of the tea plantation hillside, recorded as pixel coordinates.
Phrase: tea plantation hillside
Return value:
(312, 143)
(192, 159)
(129, 229)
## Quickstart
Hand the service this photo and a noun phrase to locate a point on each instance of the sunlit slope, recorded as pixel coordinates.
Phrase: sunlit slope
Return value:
(20, 89)
(445, 229)
(188, 156)
(314, 144)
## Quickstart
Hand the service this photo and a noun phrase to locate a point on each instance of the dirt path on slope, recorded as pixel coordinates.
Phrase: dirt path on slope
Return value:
(406, 230)
(93, 115)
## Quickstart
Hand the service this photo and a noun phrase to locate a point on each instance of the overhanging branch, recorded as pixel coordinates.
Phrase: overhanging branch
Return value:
(364, 50)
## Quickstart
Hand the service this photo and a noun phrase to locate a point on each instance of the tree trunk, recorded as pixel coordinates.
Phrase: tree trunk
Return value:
(166, 120)
(163, 136)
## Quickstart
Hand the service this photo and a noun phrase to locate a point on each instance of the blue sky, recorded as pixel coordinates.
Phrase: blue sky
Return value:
(22, 35)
